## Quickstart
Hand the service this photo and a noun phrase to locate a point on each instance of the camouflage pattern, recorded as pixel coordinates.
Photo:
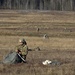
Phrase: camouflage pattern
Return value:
(23, 49)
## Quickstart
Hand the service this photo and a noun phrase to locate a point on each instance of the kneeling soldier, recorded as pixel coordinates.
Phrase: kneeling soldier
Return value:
(22, 48)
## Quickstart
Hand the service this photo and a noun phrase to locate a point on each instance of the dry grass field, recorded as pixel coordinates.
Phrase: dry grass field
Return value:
(60, 44)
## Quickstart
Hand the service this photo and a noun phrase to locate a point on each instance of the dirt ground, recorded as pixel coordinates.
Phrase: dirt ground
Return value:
(59, 45)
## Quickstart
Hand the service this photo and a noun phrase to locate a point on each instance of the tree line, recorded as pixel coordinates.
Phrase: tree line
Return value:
(63, 5)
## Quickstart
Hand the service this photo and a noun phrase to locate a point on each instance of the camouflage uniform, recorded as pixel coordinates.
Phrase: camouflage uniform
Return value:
(22, 50)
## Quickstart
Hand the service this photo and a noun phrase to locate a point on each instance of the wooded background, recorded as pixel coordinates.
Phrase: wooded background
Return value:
(63, 5)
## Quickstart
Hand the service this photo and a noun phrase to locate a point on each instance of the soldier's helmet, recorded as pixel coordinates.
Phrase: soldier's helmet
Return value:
(22, 41)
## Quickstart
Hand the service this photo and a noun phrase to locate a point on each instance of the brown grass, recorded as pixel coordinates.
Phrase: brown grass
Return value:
(60, 46)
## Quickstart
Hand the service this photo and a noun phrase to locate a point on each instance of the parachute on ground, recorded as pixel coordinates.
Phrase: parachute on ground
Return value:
(12, 58)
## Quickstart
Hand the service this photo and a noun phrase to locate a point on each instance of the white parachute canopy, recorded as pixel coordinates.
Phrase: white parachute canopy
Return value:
(46, 62)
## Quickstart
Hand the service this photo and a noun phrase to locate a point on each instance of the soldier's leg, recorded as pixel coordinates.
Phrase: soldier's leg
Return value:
(24, 57)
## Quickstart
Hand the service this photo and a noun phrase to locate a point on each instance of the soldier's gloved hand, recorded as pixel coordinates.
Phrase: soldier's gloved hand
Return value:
(16, 51)
(20, 52)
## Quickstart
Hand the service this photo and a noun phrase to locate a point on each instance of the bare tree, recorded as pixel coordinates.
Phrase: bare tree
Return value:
(71, 2)
(41, 4)
(62, 5)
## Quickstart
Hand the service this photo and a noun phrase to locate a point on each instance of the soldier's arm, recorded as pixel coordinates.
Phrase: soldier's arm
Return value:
(17, 49)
